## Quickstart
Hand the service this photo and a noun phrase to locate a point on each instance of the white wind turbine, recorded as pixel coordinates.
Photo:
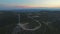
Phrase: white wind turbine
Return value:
(23, 26)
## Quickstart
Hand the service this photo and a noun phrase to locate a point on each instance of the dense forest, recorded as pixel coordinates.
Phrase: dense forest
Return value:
(50, 21)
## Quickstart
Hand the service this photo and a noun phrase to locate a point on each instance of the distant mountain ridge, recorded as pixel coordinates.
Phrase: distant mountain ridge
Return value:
(29, 9)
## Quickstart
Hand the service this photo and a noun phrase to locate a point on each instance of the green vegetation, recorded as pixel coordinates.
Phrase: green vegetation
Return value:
(8, 21)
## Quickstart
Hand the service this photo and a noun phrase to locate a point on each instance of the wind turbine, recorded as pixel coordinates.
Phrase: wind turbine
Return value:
(23, 26)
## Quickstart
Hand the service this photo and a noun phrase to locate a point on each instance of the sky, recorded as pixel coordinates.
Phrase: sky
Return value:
(30, 3)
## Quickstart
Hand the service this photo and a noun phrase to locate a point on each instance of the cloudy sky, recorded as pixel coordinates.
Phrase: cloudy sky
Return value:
(30, 3)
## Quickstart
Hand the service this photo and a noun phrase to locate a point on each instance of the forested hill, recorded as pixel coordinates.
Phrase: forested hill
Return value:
(9, 19)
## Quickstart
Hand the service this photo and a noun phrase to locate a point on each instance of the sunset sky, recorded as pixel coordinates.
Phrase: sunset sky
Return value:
(30, 3)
